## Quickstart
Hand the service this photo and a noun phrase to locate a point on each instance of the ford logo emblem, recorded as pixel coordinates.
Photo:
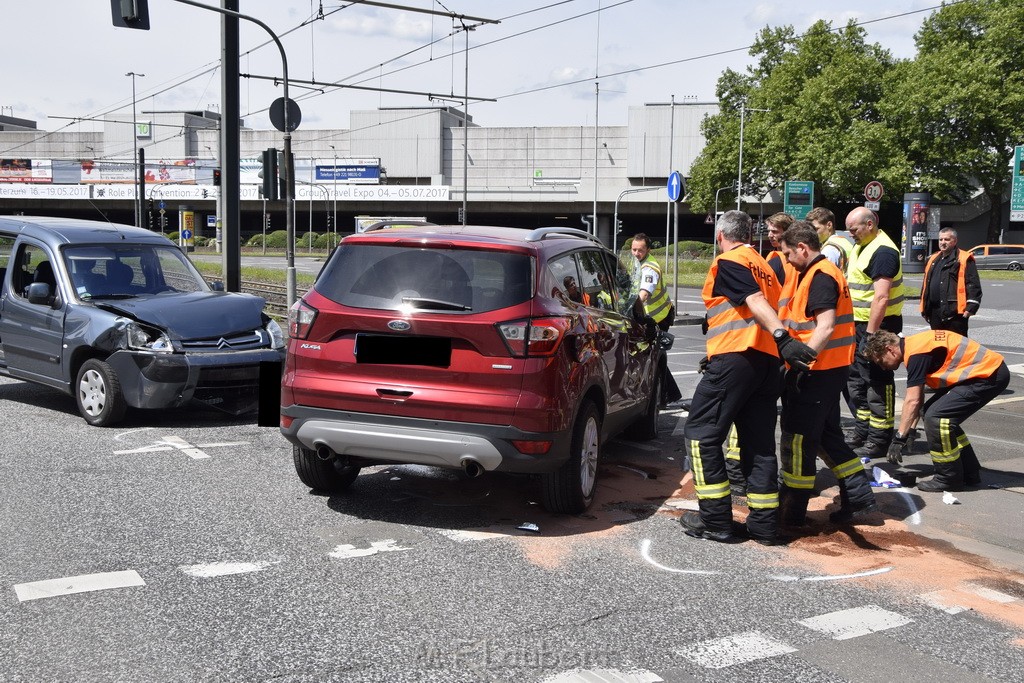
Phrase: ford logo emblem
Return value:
(399, 326)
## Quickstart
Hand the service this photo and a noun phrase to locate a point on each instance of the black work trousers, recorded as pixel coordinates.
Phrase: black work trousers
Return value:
(955, 461)
(873, 391)
(741, 389)
(956, 324)
(811, 428)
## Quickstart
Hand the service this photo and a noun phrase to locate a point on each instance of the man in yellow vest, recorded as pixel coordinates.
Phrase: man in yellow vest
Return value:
(951, 290)
(740, 386)
(833, 247)
(965, 376)
(820, 314)
(875, 277)
(649, 285)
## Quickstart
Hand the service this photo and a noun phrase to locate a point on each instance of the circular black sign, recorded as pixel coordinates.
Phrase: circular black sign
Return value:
(277, 114)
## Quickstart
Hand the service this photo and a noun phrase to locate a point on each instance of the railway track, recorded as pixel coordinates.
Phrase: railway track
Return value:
(275, 294)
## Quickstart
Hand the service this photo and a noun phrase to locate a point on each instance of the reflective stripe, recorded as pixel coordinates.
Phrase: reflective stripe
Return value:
(732, 329)
(713, 491)
(965, 358)
(862, 286)
(762, 501)
(797, 481)
(728, 327)
(732, 451)
(841, 342)
(870, 285)
(720, 308)
(848, 468)
(658, 304)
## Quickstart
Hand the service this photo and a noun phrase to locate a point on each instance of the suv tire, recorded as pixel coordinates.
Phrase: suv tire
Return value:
(570, 488)
(322, 475)
(646, 426)
(98, 394)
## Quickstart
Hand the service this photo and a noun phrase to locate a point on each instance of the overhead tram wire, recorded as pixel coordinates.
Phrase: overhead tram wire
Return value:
(711, 54)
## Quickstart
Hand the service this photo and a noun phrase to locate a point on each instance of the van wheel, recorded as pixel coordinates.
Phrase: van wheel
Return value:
(645, 427)
(1014, 266)
(322, 475)
(98, 394)
(570, 488)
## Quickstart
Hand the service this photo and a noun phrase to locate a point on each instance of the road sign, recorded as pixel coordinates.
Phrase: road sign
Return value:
(710, 220)
(675, 186)
(799, 197)
(277, 114)
(874, 206)
(1017, 186)
(873, 192)
(186, 234)
(211, 221)
(163, 205)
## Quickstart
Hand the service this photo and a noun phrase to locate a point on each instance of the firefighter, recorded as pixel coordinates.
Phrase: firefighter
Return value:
(875, 277)
(740, 386)
(820, 314)
(777, 224)
(833, 247)
(951, 289)
(965, 376)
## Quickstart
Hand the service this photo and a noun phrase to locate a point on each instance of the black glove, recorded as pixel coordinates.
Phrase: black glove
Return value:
(895, 453)
(795, 352)
(702, 365)
(704, 324)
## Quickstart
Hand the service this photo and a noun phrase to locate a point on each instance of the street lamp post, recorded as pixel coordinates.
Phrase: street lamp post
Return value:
(135, 152)
(334, 175)
(715, 224)
(739, 173)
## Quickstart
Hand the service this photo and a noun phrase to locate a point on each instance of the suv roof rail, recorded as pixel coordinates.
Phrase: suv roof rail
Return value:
(539, 234)
(380, 225)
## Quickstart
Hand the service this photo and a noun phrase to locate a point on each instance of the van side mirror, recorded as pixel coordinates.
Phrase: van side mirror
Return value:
(39, 293)
(217, 286)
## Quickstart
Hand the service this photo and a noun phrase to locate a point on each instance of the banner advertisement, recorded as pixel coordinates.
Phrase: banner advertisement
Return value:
(25, 171)
(914, 245)
(34, 191)
(365, 171)
(180, 171)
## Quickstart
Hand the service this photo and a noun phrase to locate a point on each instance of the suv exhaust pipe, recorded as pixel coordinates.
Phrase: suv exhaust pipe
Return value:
(472, 468)
(324, 452)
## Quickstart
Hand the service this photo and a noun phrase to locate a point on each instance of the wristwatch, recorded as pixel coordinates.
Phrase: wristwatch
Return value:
(778, 334)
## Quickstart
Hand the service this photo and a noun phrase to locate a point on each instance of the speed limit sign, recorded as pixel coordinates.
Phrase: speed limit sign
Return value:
(873, 191)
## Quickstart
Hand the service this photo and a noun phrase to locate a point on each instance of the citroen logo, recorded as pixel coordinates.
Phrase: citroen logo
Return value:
(399, 325)
(223, 343)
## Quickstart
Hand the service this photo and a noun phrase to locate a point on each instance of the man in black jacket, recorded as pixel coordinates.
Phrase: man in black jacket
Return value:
(951, 291)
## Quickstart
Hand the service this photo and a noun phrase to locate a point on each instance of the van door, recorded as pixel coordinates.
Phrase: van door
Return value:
(32, 334)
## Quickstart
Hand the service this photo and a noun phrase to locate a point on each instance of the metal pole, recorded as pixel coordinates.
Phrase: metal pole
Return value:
(310, 190)
(675, 206)
(739, 173)
(135, 152)
(597, 111)
(264, 227)
(668, 202)
(465, 135)
(615, 219)
(334, 223)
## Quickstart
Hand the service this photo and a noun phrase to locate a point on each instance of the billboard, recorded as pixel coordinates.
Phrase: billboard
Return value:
(25, 171)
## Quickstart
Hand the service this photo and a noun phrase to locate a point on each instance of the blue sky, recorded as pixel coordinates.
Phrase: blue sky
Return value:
(72, 62)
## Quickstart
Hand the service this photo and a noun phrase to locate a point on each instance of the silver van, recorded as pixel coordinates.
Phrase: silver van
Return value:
(999, 256)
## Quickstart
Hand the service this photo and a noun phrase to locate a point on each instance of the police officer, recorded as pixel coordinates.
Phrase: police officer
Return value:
(875, 277)
(820, 314)
(833, 247)
(649, 285)
(951, 290)
(965, 376)
(740, 385)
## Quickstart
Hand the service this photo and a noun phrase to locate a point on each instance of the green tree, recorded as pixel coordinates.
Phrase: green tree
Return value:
(821, 92)
(957, 106)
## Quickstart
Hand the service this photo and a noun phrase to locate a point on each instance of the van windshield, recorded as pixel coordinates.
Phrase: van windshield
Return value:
(117, 272)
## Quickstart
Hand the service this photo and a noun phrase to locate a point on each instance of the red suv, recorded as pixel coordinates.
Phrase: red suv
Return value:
(481, 348)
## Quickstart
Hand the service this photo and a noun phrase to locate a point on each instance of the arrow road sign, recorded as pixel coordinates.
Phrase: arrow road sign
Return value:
(675, 186)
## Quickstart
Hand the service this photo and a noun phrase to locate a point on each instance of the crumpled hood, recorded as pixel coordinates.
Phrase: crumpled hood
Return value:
(194, 315)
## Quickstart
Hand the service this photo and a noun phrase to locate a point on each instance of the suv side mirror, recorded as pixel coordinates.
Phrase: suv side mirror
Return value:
(217, 286)
(39, 293)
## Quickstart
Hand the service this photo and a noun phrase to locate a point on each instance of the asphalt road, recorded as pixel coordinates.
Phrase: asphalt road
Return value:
(180, 546)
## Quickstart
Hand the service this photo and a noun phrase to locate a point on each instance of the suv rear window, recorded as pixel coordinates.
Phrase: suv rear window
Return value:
(393, 277)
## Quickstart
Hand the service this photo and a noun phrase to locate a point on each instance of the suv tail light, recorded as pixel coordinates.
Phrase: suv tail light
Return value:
(300, 319)
(533, 337)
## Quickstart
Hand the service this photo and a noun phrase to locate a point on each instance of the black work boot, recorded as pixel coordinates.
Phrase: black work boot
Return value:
(949, 476)
(792, 507)
(694, 526)
(871, 449)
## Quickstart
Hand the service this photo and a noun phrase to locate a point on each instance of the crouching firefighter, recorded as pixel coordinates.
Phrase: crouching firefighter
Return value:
(819, 312)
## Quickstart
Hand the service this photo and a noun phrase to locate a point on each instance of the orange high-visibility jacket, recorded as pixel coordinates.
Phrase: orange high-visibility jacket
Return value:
(733, 328)
(965, 358)
(838, 351)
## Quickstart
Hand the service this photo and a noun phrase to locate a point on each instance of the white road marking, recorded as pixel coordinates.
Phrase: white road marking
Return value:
(1000, 401)
(345, 551)
(212, 569)
(170, 443)
(464, 535)
(915, 514)
(859, 621)
(645, 552)
(77, 584)
(684, 372)
(605, 676)
(990, 594)
(939, 601)
(833, 577)
(731, 650)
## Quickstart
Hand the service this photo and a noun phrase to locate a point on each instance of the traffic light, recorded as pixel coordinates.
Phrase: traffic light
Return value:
(216, 177)
(269, 174)
(618, 226)
(130, 13)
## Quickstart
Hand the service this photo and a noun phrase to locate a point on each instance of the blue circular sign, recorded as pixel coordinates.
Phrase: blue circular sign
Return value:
(163, 204)
(186, 234)
(675, 186)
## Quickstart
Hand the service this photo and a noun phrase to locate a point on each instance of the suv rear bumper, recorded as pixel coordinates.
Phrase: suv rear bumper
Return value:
(385, 438)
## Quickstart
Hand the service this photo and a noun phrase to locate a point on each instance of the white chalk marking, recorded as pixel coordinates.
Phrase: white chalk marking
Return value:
(684, 372)
(832, 577)
(345, 551)
(645, 552)
(915, 514)
(939, 601)
(212, 569)
(77, 584)
(859, 621)
(737, 649)
(170, 443)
